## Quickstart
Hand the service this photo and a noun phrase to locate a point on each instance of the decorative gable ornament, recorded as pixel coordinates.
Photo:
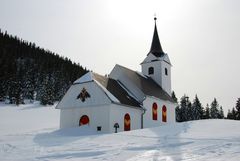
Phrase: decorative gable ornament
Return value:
(83, 95)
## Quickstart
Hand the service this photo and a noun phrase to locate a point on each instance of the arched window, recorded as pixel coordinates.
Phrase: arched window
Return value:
(150, 70)
(127, 122)
(84, 120)
(164, 113)
(154, 111)
(166, 71)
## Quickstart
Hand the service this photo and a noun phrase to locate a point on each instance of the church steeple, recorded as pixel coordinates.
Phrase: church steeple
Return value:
(156, 48)
(157, 64)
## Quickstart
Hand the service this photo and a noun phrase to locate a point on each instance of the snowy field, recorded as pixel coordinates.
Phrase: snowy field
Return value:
(30, 133)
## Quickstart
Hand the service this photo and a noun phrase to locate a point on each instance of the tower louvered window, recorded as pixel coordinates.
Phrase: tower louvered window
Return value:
(150, 71)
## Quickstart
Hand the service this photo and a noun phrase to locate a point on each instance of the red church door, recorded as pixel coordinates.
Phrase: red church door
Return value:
(127, 122)
(84, 120)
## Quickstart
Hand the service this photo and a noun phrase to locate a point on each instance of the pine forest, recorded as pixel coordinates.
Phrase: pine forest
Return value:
(28, 72)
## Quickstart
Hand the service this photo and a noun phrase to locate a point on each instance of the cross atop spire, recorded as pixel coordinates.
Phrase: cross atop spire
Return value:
(156, 48)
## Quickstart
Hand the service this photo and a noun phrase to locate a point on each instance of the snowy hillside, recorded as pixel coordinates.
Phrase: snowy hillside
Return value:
(30, 132)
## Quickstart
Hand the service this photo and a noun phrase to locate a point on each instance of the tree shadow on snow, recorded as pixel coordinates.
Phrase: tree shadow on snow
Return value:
(72, 155)
(64, 136)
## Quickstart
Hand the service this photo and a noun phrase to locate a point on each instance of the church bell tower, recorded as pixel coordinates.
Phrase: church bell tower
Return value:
(157, 63)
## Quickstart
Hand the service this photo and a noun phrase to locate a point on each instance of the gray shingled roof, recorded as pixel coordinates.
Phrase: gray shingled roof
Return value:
(147, 85)
(117, 90)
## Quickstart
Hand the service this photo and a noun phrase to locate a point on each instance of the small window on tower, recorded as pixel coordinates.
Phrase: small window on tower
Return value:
(166, 72)
(150, 70)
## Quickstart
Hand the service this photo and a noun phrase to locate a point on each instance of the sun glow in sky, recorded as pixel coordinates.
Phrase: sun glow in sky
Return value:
(201, 37)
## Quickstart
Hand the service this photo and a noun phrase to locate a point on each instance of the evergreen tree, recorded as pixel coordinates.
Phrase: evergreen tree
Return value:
(47, 92)
(238, 109)
(178, 114)
(197, 109)
(29, 85)
(229, 115)
(214, 112)
(50, 91)
(207, 112)
(221, 113)
(174, 97)
(233, 114)
(3, 90)
(184, 111)
(177, 109)
(189, 111)
(42, 92)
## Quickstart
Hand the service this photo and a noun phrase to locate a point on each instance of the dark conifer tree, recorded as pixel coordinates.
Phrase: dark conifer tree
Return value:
(207, 112)
(233, 113)
(178, 114)
(177, 110)
(189, 111)
(184, 104)
(197, 109)
(238, 109)
(221, 113)
(214, 111)
(229, 115)
(174, 96)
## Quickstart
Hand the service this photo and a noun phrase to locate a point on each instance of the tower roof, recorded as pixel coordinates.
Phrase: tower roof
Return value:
(156, 48)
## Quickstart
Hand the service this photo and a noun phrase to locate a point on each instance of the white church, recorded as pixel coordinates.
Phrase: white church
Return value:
(125, 100)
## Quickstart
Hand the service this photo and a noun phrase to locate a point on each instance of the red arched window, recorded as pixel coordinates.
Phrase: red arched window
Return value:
(127, 122)
(164, 113)
(84, 120)
(154, 111)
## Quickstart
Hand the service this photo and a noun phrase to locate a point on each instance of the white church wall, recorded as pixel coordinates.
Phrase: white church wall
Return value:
(166, 79)
(148, 116)
(157, 75)
(97, 96)
(98, 116)
(117, 113)
(171, 112)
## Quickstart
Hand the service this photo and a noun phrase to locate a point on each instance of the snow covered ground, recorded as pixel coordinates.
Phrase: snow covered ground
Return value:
(30, 133)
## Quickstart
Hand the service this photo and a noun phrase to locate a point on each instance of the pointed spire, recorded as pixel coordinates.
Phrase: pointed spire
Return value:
(156, 48)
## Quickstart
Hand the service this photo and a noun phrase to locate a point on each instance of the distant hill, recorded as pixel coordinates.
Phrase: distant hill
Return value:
(30, 72)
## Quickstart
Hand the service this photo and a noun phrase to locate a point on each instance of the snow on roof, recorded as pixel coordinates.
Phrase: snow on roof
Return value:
(115, 89)
(90, 77)
(110, 95)
(128, 92)
(85, 78)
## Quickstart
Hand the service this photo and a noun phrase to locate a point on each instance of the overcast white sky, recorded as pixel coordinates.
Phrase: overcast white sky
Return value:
(201, 37)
